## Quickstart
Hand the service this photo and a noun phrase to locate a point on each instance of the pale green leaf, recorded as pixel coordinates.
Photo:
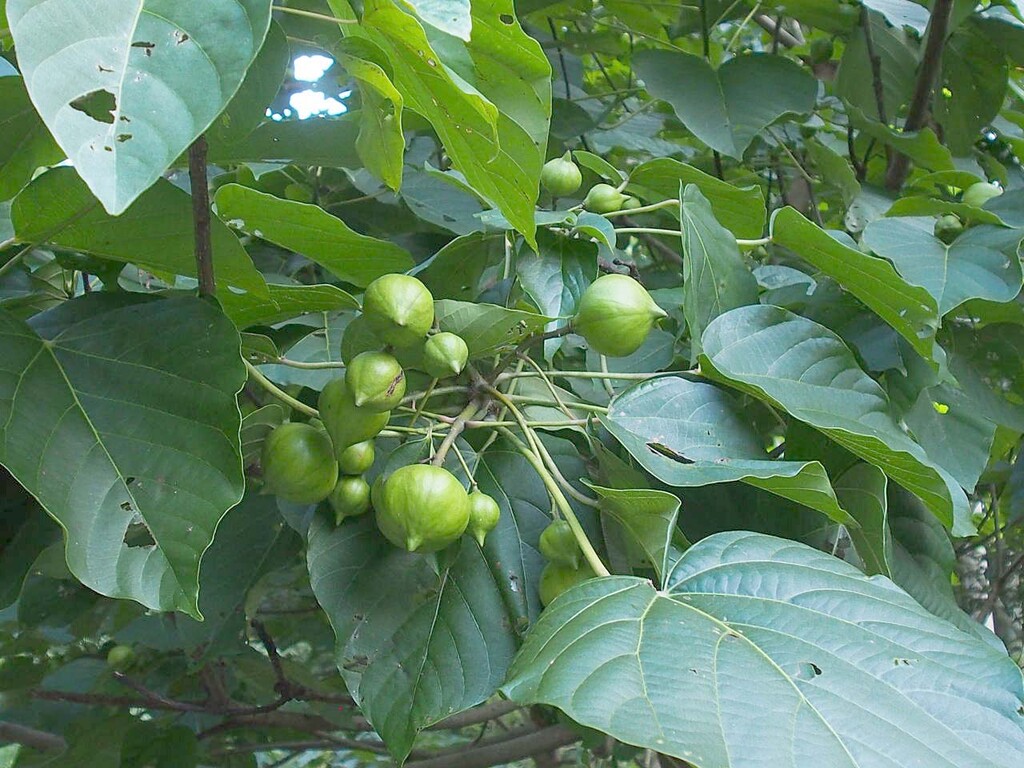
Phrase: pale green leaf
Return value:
(285, 302)
(99, 71)
(487, 328)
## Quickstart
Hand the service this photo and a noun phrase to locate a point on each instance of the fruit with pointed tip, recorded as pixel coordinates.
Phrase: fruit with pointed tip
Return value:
(399, 309)
(558, 544)
(631, 203)
(615, 315)
(298, 463)
(561, 176)
(484, 513)
(422, 508)
(444, 355)
(556, 579)
(346, 422)
(604, 198)
(350, 498)
(376, 381)
(980, 193)
(356, 459)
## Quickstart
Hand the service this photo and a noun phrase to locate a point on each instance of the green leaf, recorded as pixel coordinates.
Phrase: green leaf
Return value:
(835, 170)
(715, 277)
(973, 85)
(555, 276)
(311, 231)
(897, 59)
(27, 143)
(284, 303)
(740, 210)
(650, 518)
(790, 655)
(727, 108)
(25, 532)
(321, 345)
(807, 371)
(922, 147)
(456, 270)
(380, 144)
(156, 233)
(862, 489)
(598, 165)
(596, 226)
(99, 71)
(329, 142)
(451, 16)
(910, 310)
(487, 328)
(491, 111)
(255, 427)
(118, 408)
(981, 263)
(417, 640)
(690, 433)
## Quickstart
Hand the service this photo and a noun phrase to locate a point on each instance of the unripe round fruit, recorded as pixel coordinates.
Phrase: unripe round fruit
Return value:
(558, 544)
(484, 513)
(556, 579)
(298, 463)
(357, 458)
(561, 176)
(422, 508)
(444, 355)
(376, 381)
(822, 49)
(631, 203)
(350, 498)
(346, 422)
(399, 309)
(603, 198)
(980, 193)
(299, 193)
(615, 314)
(948, 227)
(120, 657)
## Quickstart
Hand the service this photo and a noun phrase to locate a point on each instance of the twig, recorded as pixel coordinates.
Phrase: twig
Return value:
(30, 737)
(938, 24)
(279, 393)
(476, 715)
(768, 24)
(312, 15)
(458, 425)
(201, 216)
(506, 751)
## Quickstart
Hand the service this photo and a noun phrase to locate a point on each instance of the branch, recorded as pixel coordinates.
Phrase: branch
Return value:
(505, 751)
(931, 61)
(476, 715)
(457, 426)
(30, 737)
(201, 216)
(768, 24)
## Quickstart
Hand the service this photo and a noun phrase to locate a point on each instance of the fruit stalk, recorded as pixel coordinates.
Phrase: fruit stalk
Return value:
(279, 393)
(454, 431)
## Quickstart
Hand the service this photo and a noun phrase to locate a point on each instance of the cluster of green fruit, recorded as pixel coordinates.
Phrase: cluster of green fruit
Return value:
(562, 177)
(419, 508)
(565, 567)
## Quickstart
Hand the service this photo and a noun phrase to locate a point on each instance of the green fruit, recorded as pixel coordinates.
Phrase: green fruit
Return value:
(822, 49)
(346, 422)
(980, 193)
(556, 579)
(120, 657)
(298, 463)
(376, 381)
(422, 508)
(357, 458)
(558, 544)
(561, 176)
(631, 203)
(399, 309)
(615, 315)
(483, 515)
(350, 498)
(603, 198)
(948, 227)
(300, 193)
(444, 355)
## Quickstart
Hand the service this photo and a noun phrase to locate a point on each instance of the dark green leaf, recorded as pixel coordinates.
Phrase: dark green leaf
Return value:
(27, 143)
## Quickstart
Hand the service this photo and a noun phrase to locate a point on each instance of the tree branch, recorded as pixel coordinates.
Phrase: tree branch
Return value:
(201, 216)
(30, 737)
(476, 715)
(505, 751)
(931, 61)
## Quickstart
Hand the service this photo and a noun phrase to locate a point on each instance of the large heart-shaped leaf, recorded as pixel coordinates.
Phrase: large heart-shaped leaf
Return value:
(691, 433)
(907, 308)
(156, 233)
(119, 415)
(727, 108)
(27, 144)
(415, 644)
(980, 264)
(126, 85)
(762, 649)
(311, 231)
(806, 370)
